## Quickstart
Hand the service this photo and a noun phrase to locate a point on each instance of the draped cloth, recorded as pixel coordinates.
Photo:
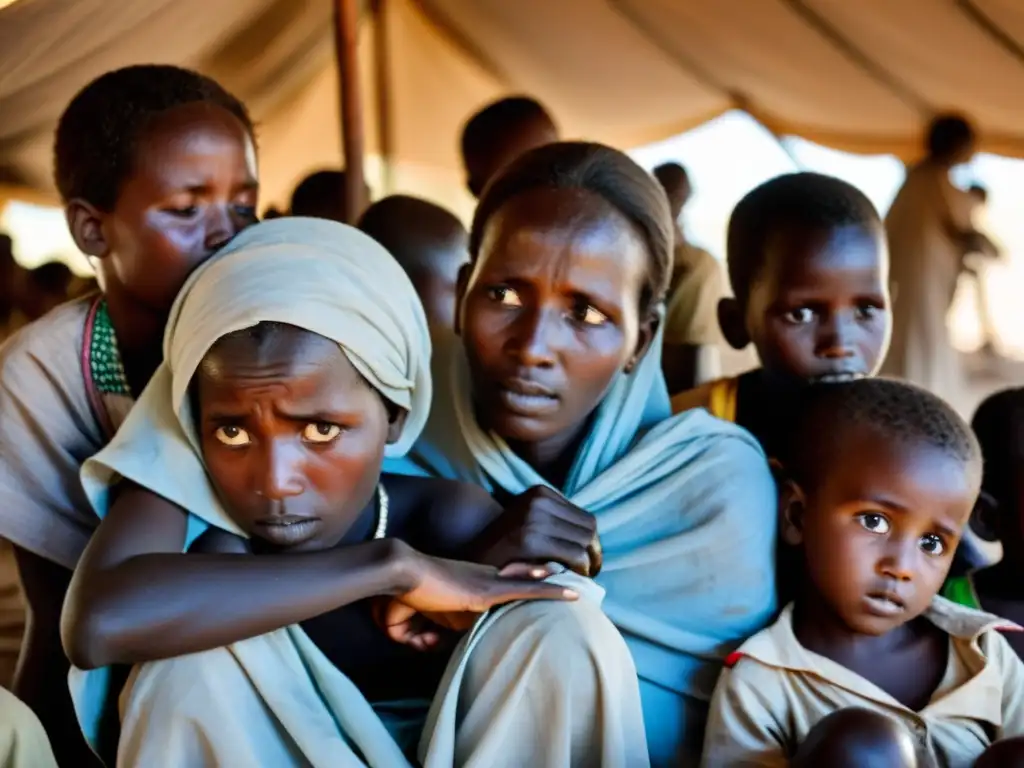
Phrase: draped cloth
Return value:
(566, 692)
(686, 512)
(332, 280)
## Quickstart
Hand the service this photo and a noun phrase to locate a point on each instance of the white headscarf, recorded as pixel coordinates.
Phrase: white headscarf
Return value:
(318, 275)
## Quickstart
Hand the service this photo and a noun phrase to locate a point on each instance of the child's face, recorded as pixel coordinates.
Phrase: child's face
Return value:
(879, 528)
(292, 436)
(193, 187)
(549, 314)
(819, 310)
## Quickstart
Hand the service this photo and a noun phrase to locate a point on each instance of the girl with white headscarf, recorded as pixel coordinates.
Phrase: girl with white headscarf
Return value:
(295, 360)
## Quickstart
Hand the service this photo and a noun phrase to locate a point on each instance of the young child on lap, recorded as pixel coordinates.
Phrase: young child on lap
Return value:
(868, 662)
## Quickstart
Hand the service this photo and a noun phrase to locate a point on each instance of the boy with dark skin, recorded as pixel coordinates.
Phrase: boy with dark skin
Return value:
(430, 244)
(501, 132)
(150, 191)
(809, 272)
(882, 479)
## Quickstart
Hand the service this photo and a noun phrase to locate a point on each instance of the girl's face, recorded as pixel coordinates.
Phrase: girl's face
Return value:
(549, 314)
(292, 436)
(193, 186)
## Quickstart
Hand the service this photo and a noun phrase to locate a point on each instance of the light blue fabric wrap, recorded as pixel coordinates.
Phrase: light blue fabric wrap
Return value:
(686, 511)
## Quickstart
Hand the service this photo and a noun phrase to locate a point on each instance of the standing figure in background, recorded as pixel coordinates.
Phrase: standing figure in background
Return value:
(979, 200)
(930, 231)
(501, 132)
(690, 351)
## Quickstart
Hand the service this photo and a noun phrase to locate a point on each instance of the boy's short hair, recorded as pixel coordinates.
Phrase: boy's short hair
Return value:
(94, 148)
(410, 228)
(901, 412)
(498, 122)
(810, 200)
(947, 134)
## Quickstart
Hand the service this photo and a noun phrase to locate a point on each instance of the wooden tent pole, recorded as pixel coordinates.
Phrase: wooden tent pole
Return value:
(382, 86)
(346, 26)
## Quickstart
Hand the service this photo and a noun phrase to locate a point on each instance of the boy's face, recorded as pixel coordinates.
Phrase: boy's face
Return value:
(819, 310)
(193, 186)
(879, 529)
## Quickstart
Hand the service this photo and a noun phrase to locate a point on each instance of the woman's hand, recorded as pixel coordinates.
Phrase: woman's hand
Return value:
(542, 526)
(449, 596)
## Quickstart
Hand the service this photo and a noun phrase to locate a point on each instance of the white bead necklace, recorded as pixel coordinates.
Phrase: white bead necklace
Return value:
(382, 513)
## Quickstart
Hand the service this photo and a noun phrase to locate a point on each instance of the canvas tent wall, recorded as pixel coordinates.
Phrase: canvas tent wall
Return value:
(861, 76)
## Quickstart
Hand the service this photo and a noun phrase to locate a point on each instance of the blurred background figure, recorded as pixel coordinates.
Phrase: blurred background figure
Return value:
(321, 195)
(499, 133)
(47, 286)
(931, 231)
(692, 336)
(430, 244)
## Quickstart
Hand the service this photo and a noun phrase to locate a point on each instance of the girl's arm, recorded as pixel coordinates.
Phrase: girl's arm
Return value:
(135, 597)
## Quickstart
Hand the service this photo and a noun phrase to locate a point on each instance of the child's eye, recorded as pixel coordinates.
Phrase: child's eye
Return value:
(800, 316)
(932, 545)
(587, 315)
(873, 522)
(867, 311)
(184, 213)
(320, 432)
(234, 437)
(504, 296)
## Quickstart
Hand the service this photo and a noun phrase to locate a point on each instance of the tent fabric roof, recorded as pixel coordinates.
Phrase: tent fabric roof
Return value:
(862, 76)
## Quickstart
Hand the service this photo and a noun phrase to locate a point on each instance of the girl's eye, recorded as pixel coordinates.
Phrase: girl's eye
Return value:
(873, 522)
(932, 545)
(800, 316)
(504, 296)
(234, 437)
(320, 432)
(588, 315)
(184, 213)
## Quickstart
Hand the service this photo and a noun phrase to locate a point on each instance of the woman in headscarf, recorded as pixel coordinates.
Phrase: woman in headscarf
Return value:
(555, 402)
(296, 359)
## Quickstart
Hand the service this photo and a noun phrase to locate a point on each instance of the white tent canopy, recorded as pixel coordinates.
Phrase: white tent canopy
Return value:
(862, 76)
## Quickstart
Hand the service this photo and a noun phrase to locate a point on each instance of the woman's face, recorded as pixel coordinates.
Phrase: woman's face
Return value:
(292, 436)
(549, 313)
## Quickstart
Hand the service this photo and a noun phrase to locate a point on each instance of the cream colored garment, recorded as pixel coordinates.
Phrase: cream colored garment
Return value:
(925, 263)
(23, 742)
(549, 685)
(777, 691)
(698, 283)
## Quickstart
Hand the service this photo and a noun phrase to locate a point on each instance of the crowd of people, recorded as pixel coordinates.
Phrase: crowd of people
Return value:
(294, 492)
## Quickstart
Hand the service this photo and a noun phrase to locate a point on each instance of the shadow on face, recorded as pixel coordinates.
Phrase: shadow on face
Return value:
(878, 524)
(819, 309)
(292, 436)
(193, 187)
(550, 313)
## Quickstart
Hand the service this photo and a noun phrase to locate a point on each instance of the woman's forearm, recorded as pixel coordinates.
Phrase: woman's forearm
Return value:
(160, 605)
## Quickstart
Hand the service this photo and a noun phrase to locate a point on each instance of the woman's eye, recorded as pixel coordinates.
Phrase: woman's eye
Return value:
(873, 522)
(320, 432)
(232, 436)
(800, 316)
(184, 213)
(932, 545)
(504, 296)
